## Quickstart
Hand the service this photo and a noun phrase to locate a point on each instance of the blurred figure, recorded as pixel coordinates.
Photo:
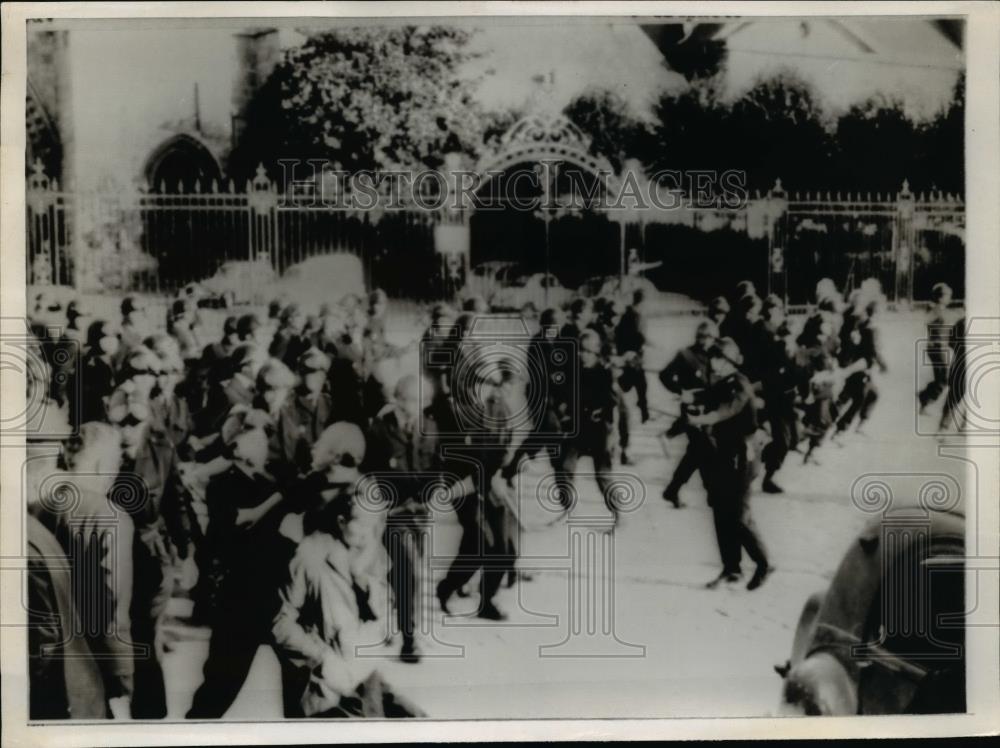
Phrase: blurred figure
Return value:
(778, 386)
(718, 310)
(182, 326)
(549, 393)
(238, 387)
(147, 487)
(477, 460)
(68, 350)
(250, 557)
(324, 615)
(630, 338)
(274, 386)
(817, 376)
(940, 324)
(135, 325)
(729, 464)
(215, 356)
(954, 411)
(581, 315)
(743, 327)
(142, 368)
(308, 411)
(170, 412)
(859, 394)
(402, 451)
(64, 678)
(97, 538)
(595, 433)
(96, 375)
(289, 341)
(688, 376)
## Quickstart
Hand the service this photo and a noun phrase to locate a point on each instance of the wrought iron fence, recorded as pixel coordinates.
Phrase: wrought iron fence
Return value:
(158, 241)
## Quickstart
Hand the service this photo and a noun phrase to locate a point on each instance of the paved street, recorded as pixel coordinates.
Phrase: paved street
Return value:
(677, 649)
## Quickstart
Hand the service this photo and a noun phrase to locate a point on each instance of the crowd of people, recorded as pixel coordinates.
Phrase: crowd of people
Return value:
(276, 476)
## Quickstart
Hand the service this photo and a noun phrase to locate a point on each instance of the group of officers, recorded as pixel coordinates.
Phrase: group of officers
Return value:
(281, 479)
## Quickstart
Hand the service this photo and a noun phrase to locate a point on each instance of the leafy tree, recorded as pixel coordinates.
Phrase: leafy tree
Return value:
(778, 130)
(368, 97)
(943, 145)
(615, 132)
(877, 145)
(495, 124)
(691, 131)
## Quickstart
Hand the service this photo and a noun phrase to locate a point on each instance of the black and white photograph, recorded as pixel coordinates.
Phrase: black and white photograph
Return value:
(497, 366)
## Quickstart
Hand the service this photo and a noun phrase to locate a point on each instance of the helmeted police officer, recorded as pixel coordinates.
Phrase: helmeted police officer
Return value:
(778, 387)
(630, 338)
(596, 413)
(729, 463)
(688, 375)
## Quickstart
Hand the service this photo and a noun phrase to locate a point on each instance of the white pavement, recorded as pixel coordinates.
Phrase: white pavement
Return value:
(677, 649)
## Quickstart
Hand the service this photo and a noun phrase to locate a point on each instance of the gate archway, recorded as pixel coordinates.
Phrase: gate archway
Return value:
(538, 205)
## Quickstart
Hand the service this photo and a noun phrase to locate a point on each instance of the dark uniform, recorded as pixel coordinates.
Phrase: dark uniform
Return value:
(287, 345)
(939, 328)
(595, 424)
(778, 386)
(956, 378)
(630, 338)
(221, 399)
(552, 398)
(94, 379)
(688, 371)
(345, 381)
(729, 465)
(859, 393)
(250, 566)
(64, 677)
(482, 515)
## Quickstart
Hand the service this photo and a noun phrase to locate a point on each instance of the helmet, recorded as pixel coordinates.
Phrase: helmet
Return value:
(313, 360)
(275, 375)
(339, 441)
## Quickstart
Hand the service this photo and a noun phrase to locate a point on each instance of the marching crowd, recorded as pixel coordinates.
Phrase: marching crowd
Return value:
(278, 475)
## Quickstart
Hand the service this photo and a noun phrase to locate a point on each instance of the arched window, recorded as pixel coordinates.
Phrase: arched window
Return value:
(178, 163)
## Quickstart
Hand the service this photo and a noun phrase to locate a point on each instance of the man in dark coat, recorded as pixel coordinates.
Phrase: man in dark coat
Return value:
(237, 388)
(290, 340)
(64, 680)
(778, 386)
(252, 557)
(729, 464)
(688, 376)
(475, 460)
(630, 338)
(596, 420)
(96, 374)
